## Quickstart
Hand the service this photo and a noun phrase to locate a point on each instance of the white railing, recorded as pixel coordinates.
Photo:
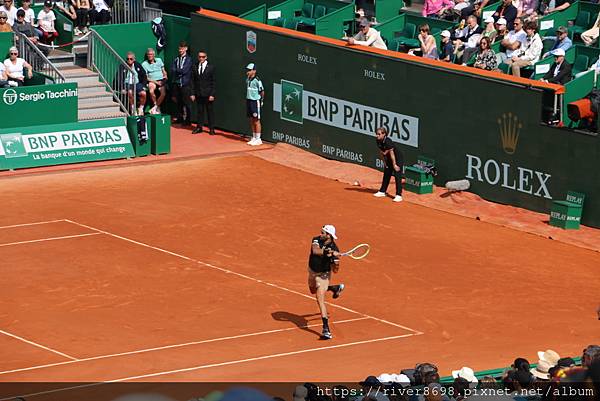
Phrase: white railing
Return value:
(128, 11)
(38, 60)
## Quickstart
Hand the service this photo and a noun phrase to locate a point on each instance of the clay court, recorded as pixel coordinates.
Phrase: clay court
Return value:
(195, 270)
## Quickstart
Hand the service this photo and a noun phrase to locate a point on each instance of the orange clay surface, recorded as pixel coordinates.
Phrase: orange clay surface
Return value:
(195, 270)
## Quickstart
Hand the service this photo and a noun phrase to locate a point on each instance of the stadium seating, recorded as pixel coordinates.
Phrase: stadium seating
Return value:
(407, 36)
(581, 64)
(581, 24)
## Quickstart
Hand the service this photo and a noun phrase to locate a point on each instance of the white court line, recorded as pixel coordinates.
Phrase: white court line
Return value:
(212, 365)
(38, 345)
(33, 224)
(93, 358)
(242, 275)
(49, 239)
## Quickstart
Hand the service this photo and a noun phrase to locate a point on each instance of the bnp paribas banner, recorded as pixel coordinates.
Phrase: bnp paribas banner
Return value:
(64, 144)
(295, 104)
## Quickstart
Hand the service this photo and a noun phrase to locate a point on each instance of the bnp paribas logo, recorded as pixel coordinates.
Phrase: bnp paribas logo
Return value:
(291, 101)
(510, 127)
(13, 145)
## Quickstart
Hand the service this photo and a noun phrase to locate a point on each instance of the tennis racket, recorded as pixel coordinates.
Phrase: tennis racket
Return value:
(358, 252)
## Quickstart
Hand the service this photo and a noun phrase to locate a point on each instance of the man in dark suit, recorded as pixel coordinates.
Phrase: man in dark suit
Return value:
(181, 74)
(203, 91)
(560, 70)
(508, 11)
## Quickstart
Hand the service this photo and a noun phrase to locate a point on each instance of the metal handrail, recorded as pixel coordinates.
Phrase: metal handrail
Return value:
(38, 60)
(128, 11)
(104, 60)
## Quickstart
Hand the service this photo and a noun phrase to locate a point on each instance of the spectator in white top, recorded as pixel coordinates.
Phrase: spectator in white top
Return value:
(46, 20)
(529, 53)
(100, 13)
(68, 8)
(3, 76)
(10, 10)
(367, 36)
(29, 13)
(512, 41)
(15, 66)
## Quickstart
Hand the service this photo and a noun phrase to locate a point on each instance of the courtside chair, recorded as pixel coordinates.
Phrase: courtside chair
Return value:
(581, 23)
(320, 11)
(291, 23)
(279, 22)
(547, 43)
(306, 15)
(407, 36)
(580, 64)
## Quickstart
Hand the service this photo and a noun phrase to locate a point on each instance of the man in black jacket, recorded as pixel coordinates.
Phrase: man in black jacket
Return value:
(203, 92)
(507, 11)
(181, 74)
(560, 70)
(135, 83)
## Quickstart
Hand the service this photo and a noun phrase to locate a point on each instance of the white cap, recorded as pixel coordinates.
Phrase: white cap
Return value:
(445, 33)
(489, 19)
(329, 229)
(558, 52)
(501, 21)
(466, 373)
(251, 66)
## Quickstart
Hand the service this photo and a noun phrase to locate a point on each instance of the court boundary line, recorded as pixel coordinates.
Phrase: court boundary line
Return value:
(33, 224)
(6, 333)
(212, 365)
(171, 346)
(240, 275)
(49, 239)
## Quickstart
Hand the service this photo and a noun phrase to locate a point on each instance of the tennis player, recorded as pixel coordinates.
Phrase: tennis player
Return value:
(324, 257)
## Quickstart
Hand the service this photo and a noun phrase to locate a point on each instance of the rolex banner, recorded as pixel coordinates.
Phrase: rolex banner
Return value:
(64, 144)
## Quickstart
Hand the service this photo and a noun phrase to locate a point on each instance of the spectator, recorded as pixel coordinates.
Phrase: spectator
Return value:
(340, 393)
(436, 8)
(10, 10)
(24, 27)
(488, 382)
(68, 8)
(467, 40)
(590, 355)
(548, 7)
(486, 58)
(157, 79)
(541, 370)
(428, 45)
(100, 13)
(3, 76)
(29, 14)
(367, 36)
(204, 92)
(447, 50)
(181, 71)
(474, 9)
(460, 388)
(15, 66)
(46, 20)
(466, 373)
(527, 8)
(4, 27)
(490, 29)
(529, 53)
(135, 82)
(300, 393)
(566, 362)
(501, 30)
(83, 10)
(590, 37)
(373, 389)
(561, 41)
(512, 41)
(549, 356)
(521, 364)
(507, 11)
(560, 70)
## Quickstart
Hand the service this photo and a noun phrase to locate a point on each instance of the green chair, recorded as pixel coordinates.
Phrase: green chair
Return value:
(306, 16)
(581, 23)
(279, 22)
(320, 11)
(548, 44)
(291, 23)
(407, 36)
(581, 64)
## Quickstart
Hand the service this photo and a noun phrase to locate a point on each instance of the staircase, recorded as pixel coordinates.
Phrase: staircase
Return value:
(95, 101)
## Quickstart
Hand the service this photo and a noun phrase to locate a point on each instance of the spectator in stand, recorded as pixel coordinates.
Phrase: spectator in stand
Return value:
(512, 41)
(474, 9)
(4, 27)
(521, 364)
(24, 27)
(447, 49)
(135, 82)
(561, 41)
(436, 8)
(300, 393)
(501, 29)
(373, 390)
(157, 79)
(486, 58)
(529, 53)
(181, 73)
(527, 8)
(68, 8)
(3, 76)
(367, 36)
(82, 8)
(100, 13)
(490, 31)
(15, 67)
(428, 45)
(590, 37)
(46, 20)
(507, 11)
(10, 10)
(460, 387)
(29, 14)
(591, 354)
(467, 38)
(550, 6)
(560, 70)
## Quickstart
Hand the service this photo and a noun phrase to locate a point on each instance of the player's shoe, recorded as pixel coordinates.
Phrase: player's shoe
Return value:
(379, 194)
(251, 141)
(338, 291)
(257, 142)
(398, 198)
(326, 334)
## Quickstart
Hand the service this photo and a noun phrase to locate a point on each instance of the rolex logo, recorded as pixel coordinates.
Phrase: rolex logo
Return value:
(509, 132)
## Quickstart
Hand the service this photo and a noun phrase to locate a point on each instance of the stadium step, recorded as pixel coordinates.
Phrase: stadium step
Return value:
(99, 113)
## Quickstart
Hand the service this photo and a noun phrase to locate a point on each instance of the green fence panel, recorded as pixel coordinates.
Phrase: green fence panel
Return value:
(135, 37)
(547, 24)
(577, 89)
(332, 24)
(391, 26)
(38, 105)
(6, 42)
(503, 149)
(386, 9)
(258, 14)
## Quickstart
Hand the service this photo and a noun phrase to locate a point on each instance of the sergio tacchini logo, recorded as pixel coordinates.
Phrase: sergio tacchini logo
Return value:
(509, 132)
(10, 97)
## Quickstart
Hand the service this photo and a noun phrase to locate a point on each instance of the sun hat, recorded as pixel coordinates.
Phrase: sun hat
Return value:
(329, 229)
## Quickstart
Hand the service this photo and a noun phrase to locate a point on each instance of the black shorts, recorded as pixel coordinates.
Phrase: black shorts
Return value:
(139, 87)
(253, 108)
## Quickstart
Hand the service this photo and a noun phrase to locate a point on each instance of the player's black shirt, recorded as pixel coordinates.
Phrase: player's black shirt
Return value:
(321, 264)
(386, 144)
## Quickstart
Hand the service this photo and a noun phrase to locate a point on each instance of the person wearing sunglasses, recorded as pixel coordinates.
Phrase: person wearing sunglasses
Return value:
(10, 10)
(15, 66)
(135, 81)
(4, 27)
(367, 36)
(25, 27)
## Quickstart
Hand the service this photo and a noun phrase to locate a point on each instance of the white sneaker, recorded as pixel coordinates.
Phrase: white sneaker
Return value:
(140, 111)
(257, 142)
(397, 198)
(153, 110)
(157, 110)
(379, 194)
(251, 141)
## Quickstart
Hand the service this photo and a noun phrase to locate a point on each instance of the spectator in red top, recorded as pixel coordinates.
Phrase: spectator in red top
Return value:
(436, 8)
